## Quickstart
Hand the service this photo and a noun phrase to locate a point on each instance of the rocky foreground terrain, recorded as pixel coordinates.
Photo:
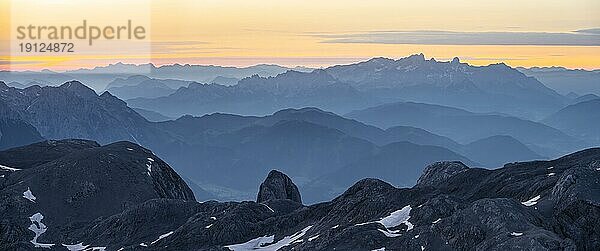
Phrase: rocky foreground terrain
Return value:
(79, 195)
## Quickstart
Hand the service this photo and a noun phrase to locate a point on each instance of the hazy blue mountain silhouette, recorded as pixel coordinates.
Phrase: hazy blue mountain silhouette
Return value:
(220, 80)
(16, 85)
(42, 77)
(466, 127)
(260, 96)
(98, 78)
(146, 89)
(305, 151)
(566, 80)
(580, 120)
(152, 116)
(187, 72)
(398, 163)
(141, 81)
(196, 128)
(495, 151)
(493, 88)
(584, 98)
(422, 137)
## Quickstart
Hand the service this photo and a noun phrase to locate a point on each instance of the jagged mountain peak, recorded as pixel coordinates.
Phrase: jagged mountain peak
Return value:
(111, 99)
(414, 57)
(455, 61)
(379, 61)
(78, 88)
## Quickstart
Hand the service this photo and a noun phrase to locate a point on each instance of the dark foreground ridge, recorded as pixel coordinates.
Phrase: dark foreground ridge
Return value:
(75, 194)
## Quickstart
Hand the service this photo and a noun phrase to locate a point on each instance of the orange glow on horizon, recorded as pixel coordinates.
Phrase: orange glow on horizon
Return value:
(243, 33)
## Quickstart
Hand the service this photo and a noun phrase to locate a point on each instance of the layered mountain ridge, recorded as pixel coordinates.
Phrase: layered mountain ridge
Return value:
(493, 88)
(227, 154)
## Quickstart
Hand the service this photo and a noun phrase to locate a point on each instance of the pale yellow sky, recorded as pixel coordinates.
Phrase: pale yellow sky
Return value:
(320, 33)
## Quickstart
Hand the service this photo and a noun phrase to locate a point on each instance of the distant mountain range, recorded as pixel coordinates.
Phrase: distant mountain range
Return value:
(493, 88)
(260, 96)
(152, 116)
(78, 195)
(580, 120)
(99, 78)
(141, 86)
(584, 98)
(566, 80)
(466, 127)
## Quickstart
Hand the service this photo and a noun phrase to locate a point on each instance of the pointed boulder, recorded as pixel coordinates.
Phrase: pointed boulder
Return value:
(278, 186)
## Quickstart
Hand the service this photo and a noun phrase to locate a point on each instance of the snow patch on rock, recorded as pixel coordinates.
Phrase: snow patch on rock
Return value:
(393, 220)
(161, 237)
(531, 201)
(149, 165)
(76, 247)
(9, 168)
(397, 218)
(28, 195)
(262, 243)
(268, 207)
(38, 228)
(253, 244)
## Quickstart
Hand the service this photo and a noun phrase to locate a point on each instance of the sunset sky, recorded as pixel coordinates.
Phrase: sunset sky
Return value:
(321, 33)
